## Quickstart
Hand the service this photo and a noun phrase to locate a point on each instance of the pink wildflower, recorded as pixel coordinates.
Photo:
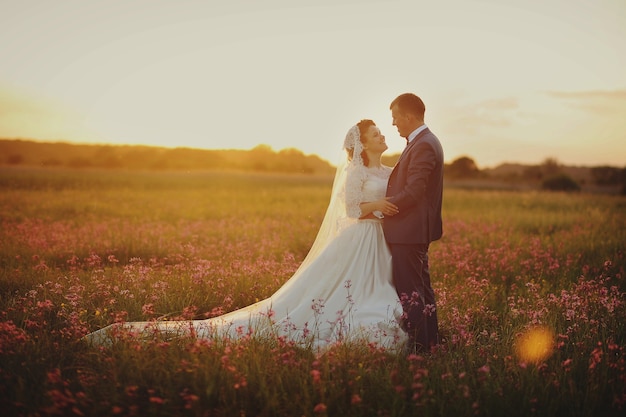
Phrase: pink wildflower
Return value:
(157, 400)
(316, 376)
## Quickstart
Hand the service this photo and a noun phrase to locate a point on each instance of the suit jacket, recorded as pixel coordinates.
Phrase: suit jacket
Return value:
(416, 187)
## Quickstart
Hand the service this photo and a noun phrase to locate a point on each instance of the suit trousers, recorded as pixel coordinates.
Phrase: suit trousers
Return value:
(411, 278)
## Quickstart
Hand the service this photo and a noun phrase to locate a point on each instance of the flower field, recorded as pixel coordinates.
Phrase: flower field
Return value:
(530, 286)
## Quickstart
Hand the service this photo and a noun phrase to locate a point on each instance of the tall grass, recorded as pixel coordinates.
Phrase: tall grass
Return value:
(530, 293)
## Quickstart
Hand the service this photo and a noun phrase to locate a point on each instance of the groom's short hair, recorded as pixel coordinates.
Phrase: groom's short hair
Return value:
(410, 103)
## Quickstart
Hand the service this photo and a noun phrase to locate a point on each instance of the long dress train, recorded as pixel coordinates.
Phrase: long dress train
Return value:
(344, 293)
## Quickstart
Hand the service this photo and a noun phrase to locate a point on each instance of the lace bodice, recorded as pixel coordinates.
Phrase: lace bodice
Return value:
(364, 185)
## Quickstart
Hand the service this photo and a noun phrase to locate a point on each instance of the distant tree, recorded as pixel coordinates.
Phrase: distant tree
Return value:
(182, 158)
(161, 164)
(79, 162)
(550, 167)
(106, 157)
(140, 157)
(261, 158)
(292, 160)
(533, 173)
(51, 162)
(463, 167)
(606, 175)
(15, 159)
(560, 182)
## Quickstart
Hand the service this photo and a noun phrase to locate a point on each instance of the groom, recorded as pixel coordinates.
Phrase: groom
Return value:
(416, 187)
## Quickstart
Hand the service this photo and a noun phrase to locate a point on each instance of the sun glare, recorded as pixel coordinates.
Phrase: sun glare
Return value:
(535, 345)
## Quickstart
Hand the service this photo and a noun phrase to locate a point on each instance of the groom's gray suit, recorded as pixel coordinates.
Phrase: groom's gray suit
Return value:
(416, 187)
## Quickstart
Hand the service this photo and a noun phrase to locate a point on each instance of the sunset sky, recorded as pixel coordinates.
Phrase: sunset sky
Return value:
(503, 80)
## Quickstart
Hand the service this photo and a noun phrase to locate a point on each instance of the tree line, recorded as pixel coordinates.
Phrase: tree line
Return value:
(65, 155)
(549, 175)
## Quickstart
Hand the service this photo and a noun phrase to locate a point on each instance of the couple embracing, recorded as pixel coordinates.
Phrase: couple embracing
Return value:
(366, 276)
(411, 220)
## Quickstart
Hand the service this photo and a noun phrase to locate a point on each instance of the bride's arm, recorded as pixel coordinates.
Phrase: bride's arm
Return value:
(383, 205)
(355, 206)
(354, 192)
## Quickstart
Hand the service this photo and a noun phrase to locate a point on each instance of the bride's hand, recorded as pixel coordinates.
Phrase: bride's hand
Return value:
(387, 207)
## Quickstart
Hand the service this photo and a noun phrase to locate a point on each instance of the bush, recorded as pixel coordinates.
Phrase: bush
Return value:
(462, 167)
(560, 182)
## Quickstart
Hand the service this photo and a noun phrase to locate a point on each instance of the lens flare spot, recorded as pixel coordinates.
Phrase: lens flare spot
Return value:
(535, 345)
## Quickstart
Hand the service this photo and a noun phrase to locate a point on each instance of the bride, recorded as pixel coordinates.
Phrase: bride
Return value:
(343, 289)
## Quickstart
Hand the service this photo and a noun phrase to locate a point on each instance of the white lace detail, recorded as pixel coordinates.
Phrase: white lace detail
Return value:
(383, 172)
(364, 185)
(352, 192)
(353, 143)
(357, 174)
(353, 195)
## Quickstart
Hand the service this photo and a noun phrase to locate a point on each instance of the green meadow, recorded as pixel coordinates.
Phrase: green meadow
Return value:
(530, 286)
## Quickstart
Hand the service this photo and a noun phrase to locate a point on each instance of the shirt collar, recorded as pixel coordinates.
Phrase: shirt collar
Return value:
(416, 132)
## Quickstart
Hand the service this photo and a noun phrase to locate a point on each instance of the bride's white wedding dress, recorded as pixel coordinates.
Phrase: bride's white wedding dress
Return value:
(342, 292)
